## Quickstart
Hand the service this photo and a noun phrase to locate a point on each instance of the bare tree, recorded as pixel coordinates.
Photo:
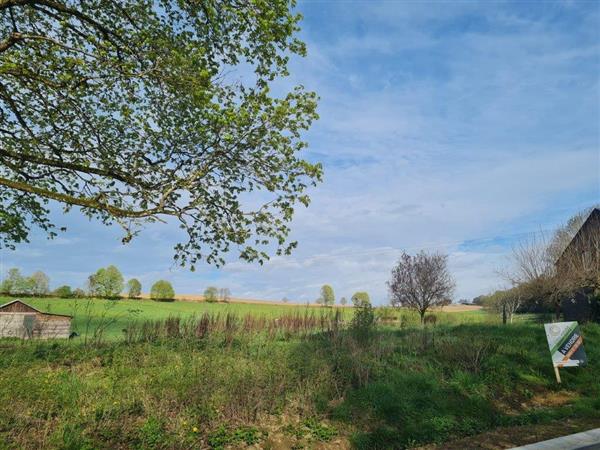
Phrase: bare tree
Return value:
(505, 303)
(549, 270)
(511, 302)
(531, 261)
(224, 295)
(532, 271)
(421, 282)
(578, 266)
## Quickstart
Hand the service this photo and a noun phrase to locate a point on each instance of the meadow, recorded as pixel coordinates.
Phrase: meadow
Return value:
(396, 386)
(115, 315)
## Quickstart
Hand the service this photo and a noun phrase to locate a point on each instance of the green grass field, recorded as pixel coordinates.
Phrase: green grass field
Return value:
(400, 386)
(117, 314)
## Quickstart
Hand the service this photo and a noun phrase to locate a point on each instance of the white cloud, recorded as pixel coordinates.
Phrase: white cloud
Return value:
(438, 126)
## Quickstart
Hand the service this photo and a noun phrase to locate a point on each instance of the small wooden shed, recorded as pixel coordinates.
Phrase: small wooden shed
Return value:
(18, 319)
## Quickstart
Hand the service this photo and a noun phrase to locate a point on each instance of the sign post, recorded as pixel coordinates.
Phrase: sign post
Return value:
(566, 345)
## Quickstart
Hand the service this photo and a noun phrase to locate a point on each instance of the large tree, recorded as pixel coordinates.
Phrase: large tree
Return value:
(162, 291)
(106, 282)
(142, 111)
(134, 288)
(40, 283)
(421, 281)
(327, 295)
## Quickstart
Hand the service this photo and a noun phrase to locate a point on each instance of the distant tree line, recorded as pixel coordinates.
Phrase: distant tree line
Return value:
(35, 285)
(107, 282)
(213, 294)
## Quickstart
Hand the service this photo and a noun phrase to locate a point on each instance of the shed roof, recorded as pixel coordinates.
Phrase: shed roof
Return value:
(30, 308)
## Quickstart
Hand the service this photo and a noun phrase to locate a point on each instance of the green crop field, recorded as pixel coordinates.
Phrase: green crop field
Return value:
(398, 385)
(117, 314)
(89, 314)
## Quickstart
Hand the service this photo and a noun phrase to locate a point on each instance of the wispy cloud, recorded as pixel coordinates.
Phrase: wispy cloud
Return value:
(457, 127)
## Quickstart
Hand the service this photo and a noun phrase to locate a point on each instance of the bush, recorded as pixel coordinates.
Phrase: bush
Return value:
(364, 316)
(386, 313)
(360, 298)
(79, 293)
(162, 291)
(134, 288)
(63, 292)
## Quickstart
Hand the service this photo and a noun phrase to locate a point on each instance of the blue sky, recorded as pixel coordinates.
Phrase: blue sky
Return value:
(452, 126)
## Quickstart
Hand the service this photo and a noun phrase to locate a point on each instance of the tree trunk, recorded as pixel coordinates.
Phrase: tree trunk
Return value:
(504, 314)
(422, 313)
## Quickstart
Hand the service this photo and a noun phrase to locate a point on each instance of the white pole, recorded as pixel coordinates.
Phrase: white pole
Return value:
(557, 373)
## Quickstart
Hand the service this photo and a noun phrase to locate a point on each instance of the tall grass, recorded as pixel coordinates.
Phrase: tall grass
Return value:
(221, 379)
(230, 325)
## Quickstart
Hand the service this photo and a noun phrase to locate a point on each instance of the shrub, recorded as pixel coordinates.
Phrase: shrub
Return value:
(79, 293)
(162, 291)
(63, 292)
(364, 316)
(360, 297)
(134, 288)
(386, 314)
(211, 294)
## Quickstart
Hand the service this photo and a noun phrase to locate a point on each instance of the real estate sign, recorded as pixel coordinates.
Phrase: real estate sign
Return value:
(566, 344)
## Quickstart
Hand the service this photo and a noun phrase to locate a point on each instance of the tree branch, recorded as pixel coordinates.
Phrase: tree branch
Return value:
(84, 202)
(116, 174)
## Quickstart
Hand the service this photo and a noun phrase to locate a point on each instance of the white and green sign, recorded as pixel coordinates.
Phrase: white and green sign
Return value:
(566, 344)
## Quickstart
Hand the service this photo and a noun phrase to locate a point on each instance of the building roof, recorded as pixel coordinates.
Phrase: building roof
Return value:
(31, 308)
(592, 218)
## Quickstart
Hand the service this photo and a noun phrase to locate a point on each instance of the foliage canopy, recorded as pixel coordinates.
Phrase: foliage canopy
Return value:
(138, 112)
(134, 288)
(162, 290)
(327, 295)
(211, 294)
(37, 284)
(106, 282)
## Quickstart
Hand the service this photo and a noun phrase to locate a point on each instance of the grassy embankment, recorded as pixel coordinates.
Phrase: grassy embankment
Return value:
(399, 388)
